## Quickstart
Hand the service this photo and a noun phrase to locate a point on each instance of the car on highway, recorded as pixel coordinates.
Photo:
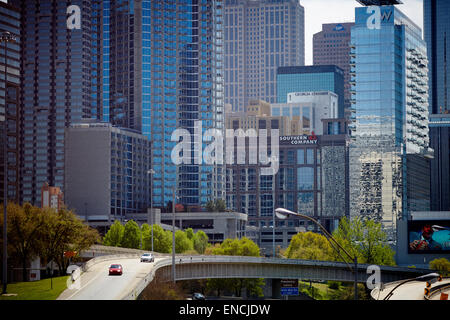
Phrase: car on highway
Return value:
(198, 296)
(115, 269)
(147, 257)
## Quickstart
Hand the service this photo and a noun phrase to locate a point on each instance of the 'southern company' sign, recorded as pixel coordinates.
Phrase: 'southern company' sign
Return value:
(303, 139)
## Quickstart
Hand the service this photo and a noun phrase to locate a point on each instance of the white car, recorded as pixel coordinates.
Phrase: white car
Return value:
(147, 257)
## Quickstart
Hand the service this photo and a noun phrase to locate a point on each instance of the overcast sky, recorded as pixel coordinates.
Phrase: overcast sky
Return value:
(331, 11)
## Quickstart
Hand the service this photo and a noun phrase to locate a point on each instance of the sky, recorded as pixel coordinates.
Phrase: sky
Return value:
(318, 12)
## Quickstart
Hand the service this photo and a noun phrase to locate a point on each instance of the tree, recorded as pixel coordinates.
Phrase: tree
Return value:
(63, 232)
(210, 206)
(236, 247)
(25, 223)
(131, 235)
(442, 266)
(200, 242)
(114, 235)
(190, 234)
(182, 242)
(309, 246)
(162, 240)
(366, 239)
(220, 205)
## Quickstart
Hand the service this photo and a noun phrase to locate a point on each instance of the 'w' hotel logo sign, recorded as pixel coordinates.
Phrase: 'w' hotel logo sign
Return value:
(377, 16)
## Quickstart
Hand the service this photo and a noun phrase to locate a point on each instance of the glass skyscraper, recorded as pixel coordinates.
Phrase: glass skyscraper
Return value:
(311, 79)
(9, 100)
(58, 87)
(437, 36)
(163, 70)
(390, 100)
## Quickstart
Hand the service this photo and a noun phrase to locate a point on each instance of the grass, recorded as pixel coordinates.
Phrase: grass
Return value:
(36, 290)
(321, 290)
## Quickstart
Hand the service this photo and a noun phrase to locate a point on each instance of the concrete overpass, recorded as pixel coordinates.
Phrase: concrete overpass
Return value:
(139, 276)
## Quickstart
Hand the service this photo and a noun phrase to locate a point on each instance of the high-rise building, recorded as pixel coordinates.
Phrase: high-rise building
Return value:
(107, 172)
(390, 90)
(163, 70)
(56, 87)
(331, 46)
(259, 37)
(311, 79)
(9, 100)
(437, 36)
(312, 179)
(440, 164)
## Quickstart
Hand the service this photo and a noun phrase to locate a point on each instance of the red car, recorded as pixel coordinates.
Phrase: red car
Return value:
(115, 269)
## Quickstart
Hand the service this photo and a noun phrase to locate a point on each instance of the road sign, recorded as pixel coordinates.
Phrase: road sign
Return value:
(289, 291)
(289, 287)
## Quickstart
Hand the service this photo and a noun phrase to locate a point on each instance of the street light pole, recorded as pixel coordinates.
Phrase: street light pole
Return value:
(5, 38)
(283, 213)
(151, 172)
(173, 235)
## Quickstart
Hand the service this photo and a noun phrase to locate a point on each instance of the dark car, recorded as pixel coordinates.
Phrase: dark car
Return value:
(115, 269)
(198, 296)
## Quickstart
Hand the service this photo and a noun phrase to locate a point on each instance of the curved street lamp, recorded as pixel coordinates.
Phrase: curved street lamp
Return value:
(282, 213)
(5, 38)
(431, 277)
(151, 172)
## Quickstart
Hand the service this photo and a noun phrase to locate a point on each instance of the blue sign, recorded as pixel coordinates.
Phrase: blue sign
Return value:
(339, 27)
(289, 291)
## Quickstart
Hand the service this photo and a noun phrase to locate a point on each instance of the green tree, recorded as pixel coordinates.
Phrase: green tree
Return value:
(114, 235)
(131, 235)
(220, 205)
(210, 206)
(309, 246)
(235, 247)
(441, 265)
(366, 239)
(190, 234)
(182, 242)
(25, 224)
(200, 242)
(64, 231)
(162, 240)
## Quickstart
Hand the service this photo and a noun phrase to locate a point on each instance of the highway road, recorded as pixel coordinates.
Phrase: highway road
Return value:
(97, 284)
(409, 291)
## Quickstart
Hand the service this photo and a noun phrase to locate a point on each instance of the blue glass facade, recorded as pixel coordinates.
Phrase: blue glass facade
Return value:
(168, 75)
(437, 33)
(390, 104)
(309, 79)
(437, 36)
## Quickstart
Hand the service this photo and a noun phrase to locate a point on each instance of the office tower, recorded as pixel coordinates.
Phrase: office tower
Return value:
(259, 37)
(56, 88)
(164, 70)
(440, 164)
(389, 76)
(312, 179)
(106, 174)
(9, 101)
(311, 79)
(437, 37)
(331, 46)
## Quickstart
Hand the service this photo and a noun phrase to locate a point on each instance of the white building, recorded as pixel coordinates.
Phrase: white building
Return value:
(310, 107)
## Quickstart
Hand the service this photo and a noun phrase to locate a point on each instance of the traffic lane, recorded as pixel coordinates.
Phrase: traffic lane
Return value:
(99, 285)
(409, 291)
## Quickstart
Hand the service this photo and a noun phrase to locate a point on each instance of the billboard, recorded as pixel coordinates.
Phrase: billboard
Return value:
(429, 236)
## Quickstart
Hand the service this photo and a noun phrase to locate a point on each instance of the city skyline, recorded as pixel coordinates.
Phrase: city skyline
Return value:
(341, 11)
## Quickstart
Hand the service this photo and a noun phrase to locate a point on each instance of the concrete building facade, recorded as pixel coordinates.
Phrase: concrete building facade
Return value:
(106, 174)
(259, 37)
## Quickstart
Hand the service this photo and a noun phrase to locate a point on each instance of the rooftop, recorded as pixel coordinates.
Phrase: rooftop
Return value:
(379, 2)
